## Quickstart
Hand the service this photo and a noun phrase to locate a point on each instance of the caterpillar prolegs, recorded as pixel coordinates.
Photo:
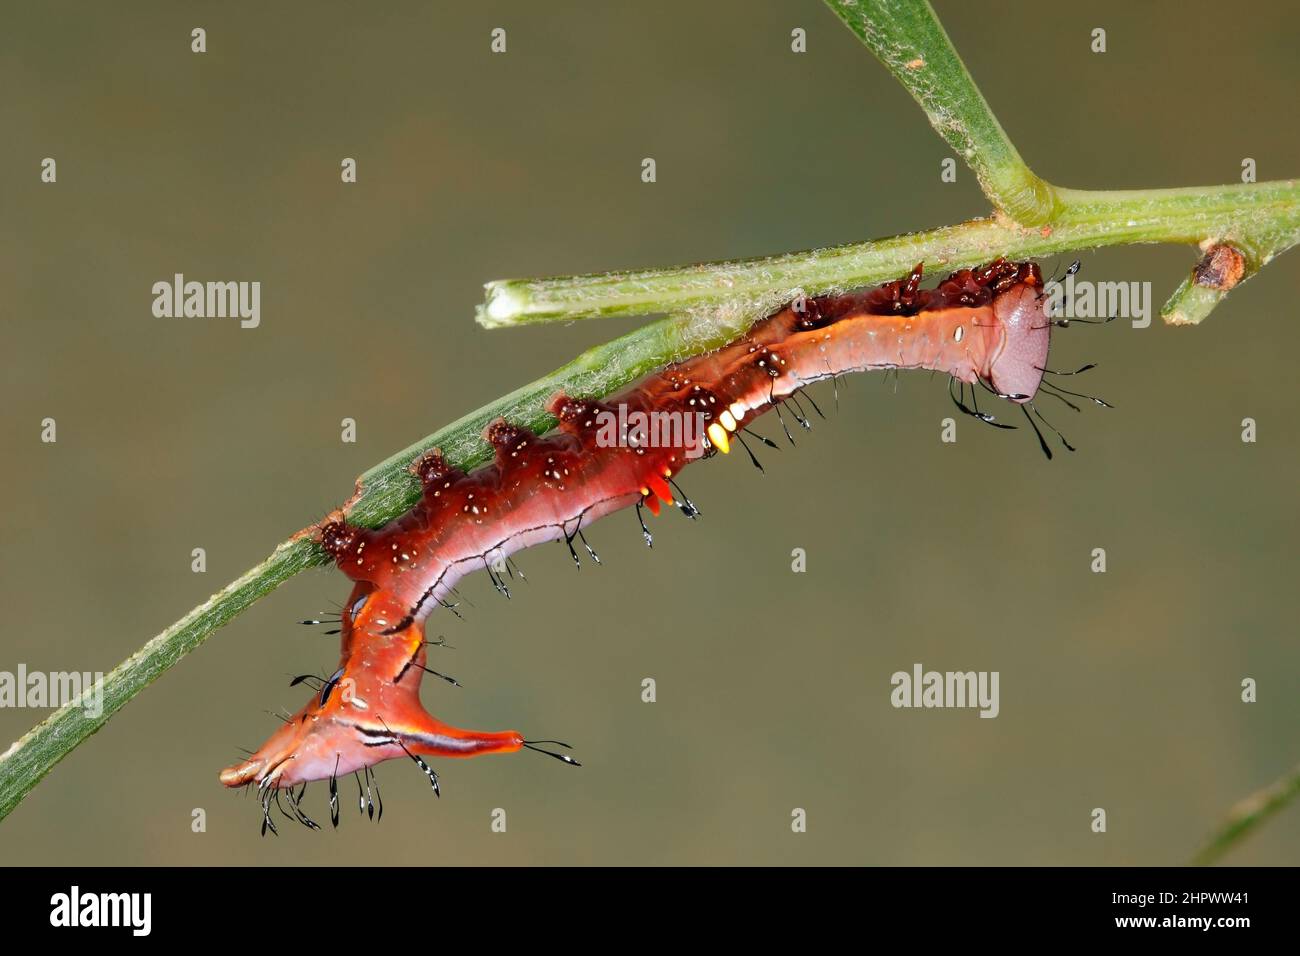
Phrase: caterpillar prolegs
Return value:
(986, 328)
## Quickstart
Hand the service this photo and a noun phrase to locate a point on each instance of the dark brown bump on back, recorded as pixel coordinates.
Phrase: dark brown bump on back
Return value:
(565, 408)
(1221, 268)
(431, 467)
(998, 275)
(577, 416)
(907, 293)
(807, 312)
(509, 441)
(338, 537)
(1030, 274)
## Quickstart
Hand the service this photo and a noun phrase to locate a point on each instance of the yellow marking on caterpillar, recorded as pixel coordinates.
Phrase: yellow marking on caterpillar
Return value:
(718, 435)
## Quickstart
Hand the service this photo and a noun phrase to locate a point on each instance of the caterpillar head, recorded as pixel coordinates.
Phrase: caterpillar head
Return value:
(1017, 367)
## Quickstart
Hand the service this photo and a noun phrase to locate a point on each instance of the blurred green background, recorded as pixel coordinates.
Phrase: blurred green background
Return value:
(1118, 690)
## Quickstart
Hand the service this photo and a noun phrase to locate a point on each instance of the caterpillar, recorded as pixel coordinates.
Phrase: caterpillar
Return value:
(987, 327)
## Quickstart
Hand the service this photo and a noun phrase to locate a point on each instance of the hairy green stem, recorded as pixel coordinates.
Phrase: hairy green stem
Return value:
(1033, 217)
(908, 39)
(37, 751)
(1263, 218)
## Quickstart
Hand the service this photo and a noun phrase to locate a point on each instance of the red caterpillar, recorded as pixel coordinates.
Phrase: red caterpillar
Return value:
(987, 327)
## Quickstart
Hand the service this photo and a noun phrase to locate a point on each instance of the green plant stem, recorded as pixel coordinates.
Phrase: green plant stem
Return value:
(34, 754)
(1249, 814)
(1263, 218)
(908, 39)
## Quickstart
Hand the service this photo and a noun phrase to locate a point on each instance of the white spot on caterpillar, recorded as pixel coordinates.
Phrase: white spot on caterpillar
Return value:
(959, 333)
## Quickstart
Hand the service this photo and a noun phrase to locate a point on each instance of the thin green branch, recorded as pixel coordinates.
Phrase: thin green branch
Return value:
(1263, 217)
(1247, 815)
(34, 754)
(1034, 218)
(908, 39)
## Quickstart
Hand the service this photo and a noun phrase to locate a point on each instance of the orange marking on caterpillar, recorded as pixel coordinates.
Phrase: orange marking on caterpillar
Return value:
(660, 488)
